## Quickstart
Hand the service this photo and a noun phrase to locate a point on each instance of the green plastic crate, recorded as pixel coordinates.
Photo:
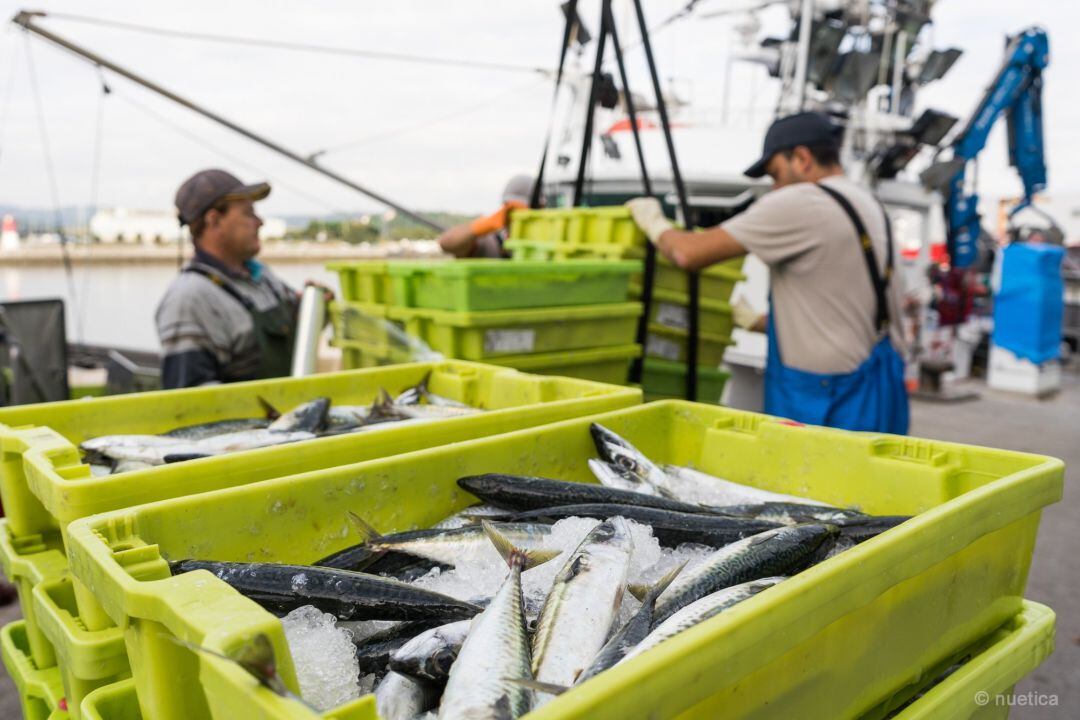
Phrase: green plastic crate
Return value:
(670, 309)
(41, 692)
(980, 688)
(606, 364)
(45, 485)
(112, 702)
(474, 285)
(811, 647)
(87, 659)
(583, 225)
(671, 344)
(27, 561)
(485, 336)
(662, 379)
(364, 281)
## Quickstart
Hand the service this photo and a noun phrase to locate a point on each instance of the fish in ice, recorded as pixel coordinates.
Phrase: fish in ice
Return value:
(400, 697)
(582, 605)
(342, 593)
(431, 654)
(781, 551)
(496, 651)
(518, 492)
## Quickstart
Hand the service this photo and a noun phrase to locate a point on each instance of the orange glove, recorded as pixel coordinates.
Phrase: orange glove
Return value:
(495, 221)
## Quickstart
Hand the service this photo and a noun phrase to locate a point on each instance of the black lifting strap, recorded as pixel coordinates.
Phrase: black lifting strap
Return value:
(880, 284)
(568, 34)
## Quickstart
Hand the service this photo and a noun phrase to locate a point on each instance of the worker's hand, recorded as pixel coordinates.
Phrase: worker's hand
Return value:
(496, 221)
(746, 316)
(649, 216)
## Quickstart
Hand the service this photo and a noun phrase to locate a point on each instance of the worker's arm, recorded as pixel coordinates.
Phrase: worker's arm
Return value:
(189, 368)
(460, 240)
(684, 249)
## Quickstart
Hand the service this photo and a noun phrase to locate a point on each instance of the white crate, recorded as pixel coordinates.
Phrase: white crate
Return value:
(1015, 374)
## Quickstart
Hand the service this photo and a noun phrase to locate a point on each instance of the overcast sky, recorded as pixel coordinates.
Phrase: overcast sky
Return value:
(433, 137)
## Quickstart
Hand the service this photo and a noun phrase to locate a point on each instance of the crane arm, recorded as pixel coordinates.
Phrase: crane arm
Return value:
(1015, 92)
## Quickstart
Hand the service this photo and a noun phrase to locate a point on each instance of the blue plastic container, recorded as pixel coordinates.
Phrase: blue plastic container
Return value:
(1029, 307)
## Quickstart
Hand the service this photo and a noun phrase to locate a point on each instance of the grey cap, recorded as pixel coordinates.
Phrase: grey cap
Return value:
(206, 187)
(520, 187)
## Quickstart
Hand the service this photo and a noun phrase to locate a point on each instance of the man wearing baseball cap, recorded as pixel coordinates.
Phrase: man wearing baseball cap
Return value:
(484, 236)
(834, 321)
(225, 317)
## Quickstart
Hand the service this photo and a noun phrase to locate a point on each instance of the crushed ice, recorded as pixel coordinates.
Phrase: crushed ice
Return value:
(324, 657)
(324, 652)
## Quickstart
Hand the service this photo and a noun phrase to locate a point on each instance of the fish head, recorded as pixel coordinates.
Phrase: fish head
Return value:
(605, 440)
(613, 476)
(439, 662)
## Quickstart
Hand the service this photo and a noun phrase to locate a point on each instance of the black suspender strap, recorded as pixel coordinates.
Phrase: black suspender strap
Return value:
(880, 284)
(224, 285)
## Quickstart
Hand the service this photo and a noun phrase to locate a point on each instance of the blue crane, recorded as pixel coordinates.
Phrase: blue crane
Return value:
(1016, 93)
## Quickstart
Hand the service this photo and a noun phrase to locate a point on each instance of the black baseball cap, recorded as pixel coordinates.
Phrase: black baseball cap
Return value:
(805, 128)
(202, 190)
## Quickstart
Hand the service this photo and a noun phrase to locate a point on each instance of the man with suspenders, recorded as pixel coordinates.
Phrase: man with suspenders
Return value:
(225, 317)
(834, 322)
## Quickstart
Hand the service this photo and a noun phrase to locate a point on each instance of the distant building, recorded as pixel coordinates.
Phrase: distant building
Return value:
(9, 234)
(116, 225)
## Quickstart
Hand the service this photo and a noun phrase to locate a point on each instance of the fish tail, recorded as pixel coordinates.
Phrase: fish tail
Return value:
(641, 591)
(367, 533)
(514, 556)
(270, 411)
(422, 386)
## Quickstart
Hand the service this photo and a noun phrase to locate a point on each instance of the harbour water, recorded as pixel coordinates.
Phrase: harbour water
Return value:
(111, 300)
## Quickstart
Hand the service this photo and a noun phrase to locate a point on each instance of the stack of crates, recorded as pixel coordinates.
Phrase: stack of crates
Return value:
(573, 318)
(609, 233)
(66, 646)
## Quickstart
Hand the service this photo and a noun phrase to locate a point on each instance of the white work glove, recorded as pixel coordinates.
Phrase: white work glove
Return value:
(649, 216)
(745, 315)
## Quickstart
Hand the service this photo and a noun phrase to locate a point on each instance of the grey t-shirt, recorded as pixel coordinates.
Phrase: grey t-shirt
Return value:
(823, 301)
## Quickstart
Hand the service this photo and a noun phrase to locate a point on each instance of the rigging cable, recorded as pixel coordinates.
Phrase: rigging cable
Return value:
(95, 180)
(302, 47)
(54, 191)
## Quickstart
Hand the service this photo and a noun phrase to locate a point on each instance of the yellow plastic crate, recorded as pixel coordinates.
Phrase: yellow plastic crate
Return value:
(486, 336)
(980, 688)
(41, 693)
(87, 659)
(112, 702)
(559, 251)
(27, 561)
(834, 642)
(996, 664)
(45, 485)
(717, 282)
(581, 225)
